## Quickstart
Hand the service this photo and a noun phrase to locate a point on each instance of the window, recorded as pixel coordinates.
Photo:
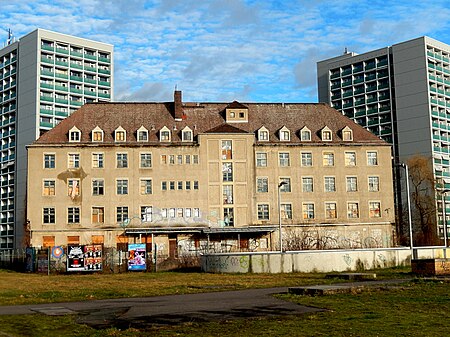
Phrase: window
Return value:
(283, 158)
(352, 210)
(121, 213)
(98, 187)
(330, 210)
(263, 212)
(347, 134)
(164, 134)
(195, 158)
(285, 184)
(262, 185)
(142, 134)
(305, 135)
(122, 186)
(74, 160)
(328, 159)
(372, 158)
(263, 134)
(146, 186)
(49, 161)
(164, 159)
(286, 211)
(352, 184)
(350, 158)
(146, 213)
(374, 209)
(97, 160)
(49, 187)
(172, 159)
(195, 185)
(227, 194)
(374, 184)
(308, 211)
(330, 184)
(307, 184)
(145, 160)
(306, 159)
(172, 185)
(187, 185)
(326, 134)
(196, 212)
(73, 215)
(180, 159)
(97, 135)
(98, 215)
(186, 135)
(73, 187)
(261, 159)
(48, 215)
(227, 150)
(74, 135)
(122, 160)
(285, 134)
(227, 172)
(187, 159)
(179, 185)
(172, 213)
(228, 216)
(164, 185)
(120, 135)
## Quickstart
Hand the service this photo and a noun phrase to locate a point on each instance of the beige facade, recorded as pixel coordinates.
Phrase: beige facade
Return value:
(198, 184)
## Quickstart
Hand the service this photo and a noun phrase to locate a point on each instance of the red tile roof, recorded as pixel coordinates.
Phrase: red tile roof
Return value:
(205, 117)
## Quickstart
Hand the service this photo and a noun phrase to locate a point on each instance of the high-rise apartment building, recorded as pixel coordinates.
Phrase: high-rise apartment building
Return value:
(44, 77)
(402, 94)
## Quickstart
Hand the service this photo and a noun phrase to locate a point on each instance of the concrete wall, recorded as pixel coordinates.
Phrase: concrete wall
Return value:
(314, 261)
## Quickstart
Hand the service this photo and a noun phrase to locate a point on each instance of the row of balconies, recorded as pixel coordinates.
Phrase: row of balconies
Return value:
(8, 73)
(80, 79)
(439, 79)
(7, 98)
(8, 62)
(8, 85)
(66, 64)
(64, 51)
(9, 108)
(369, 65)
(439, 68)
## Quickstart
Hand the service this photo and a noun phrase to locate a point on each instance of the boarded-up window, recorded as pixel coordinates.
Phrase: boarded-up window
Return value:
(48, 241)
(97, 239)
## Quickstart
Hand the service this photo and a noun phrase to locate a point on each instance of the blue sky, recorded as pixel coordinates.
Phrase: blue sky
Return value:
(219, 51)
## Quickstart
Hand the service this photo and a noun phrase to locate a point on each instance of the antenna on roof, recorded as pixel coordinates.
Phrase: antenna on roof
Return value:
(345, 51)
(176, 85)
(11, 38)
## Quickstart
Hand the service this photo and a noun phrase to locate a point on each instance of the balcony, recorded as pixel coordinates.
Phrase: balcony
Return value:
(334, 75)
(47, 73)
(91, 69)
(384, 108)
(47, 112)
(46, 60)
(382, 63)
(46, 98)
(62, 51)
(61, 88)
(47, 47)
(61, 113)
(90, 56)
(62, 63)
(62, 75)
(61, 100)
(46, 125)
(76, 78)
(104, 59)
(370, 66)
(104, 71)
(77, 103)
(102, 95)
(90, 80)
(75, 90)
(90, 93)
(107, 84)
(358, 80)
(47, 86)
(383, 86)
(76, 53)
(347, 105)
(76, 65)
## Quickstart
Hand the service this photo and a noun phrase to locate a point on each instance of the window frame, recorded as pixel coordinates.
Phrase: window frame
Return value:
(51, 188)
(99, 188)
(73, 215)
(121, 162)
(49, 161)
(48, 215)
(122, 186)
(73, 160)
(263, 211)
(286, 161)
(147, 161)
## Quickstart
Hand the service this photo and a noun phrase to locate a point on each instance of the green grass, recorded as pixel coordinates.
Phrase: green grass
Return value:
(417, 308)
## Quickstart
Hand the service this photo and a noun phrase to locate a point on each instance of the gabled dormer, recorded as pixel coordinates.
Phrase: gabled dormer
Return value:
(187, 134)
(305, 134)
(165, 135)
(120, 135)
(74, 135)
(284, 134)
(326, 135)
(97, 134)
(142, 134)
(236, 112)
(347, 134)
(263, 134)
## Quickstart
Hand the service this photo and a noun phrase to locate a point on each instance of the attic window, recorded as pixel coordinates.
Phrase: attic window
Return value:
(164, 134)
(263, 134)
(120, 135)
(142, 134)
(74, 135)
(186, 134)
(305, 134)
(97, 135)
(347, 134)
(326, 134)
(285, 134)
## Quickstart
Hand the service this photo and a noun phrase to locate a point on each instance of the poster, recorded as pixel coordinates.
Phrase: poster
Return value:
(136, 256)
(84, 258)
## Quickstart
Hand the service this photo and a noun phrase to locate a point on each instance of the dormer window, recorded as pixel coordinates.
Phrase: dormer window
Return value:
(263, 134)
(97, 135)
(142, 134)
(120, 135)
(305, 134)
(186, 134)
(74, 135)
(326, 134)
(164, 134)
(236, 112)
(285, 134)
(347, 134)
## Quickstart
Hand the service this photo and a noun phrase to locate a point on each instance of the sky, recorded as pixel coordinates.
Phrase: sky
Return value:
(225, 50)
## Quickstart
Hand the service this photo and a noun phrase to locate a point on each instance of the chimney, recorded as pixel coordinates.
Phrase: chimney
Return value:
(178, 105)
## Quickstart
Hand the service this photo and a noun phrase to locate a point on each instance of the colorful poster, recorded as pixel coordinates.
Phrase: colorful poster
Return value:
(137, 256)
(84, 258)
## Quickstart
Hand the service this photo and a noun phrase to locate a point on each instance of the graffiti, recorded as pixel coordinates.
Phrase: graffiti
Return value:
(244, 262)
(382, 258)
(348, 259)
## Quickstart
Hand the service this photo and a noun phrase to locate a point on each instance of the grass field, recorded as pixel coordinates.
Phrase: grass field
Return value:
(418, 308)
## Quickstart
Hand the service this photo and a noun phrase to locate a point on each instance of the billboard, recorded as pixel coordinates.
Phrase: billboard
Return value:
(84, 258)
(136, 256)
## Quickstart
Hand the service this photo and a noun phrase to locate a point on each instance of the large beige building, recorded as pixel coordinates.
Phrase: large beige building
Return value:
(196, 176)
